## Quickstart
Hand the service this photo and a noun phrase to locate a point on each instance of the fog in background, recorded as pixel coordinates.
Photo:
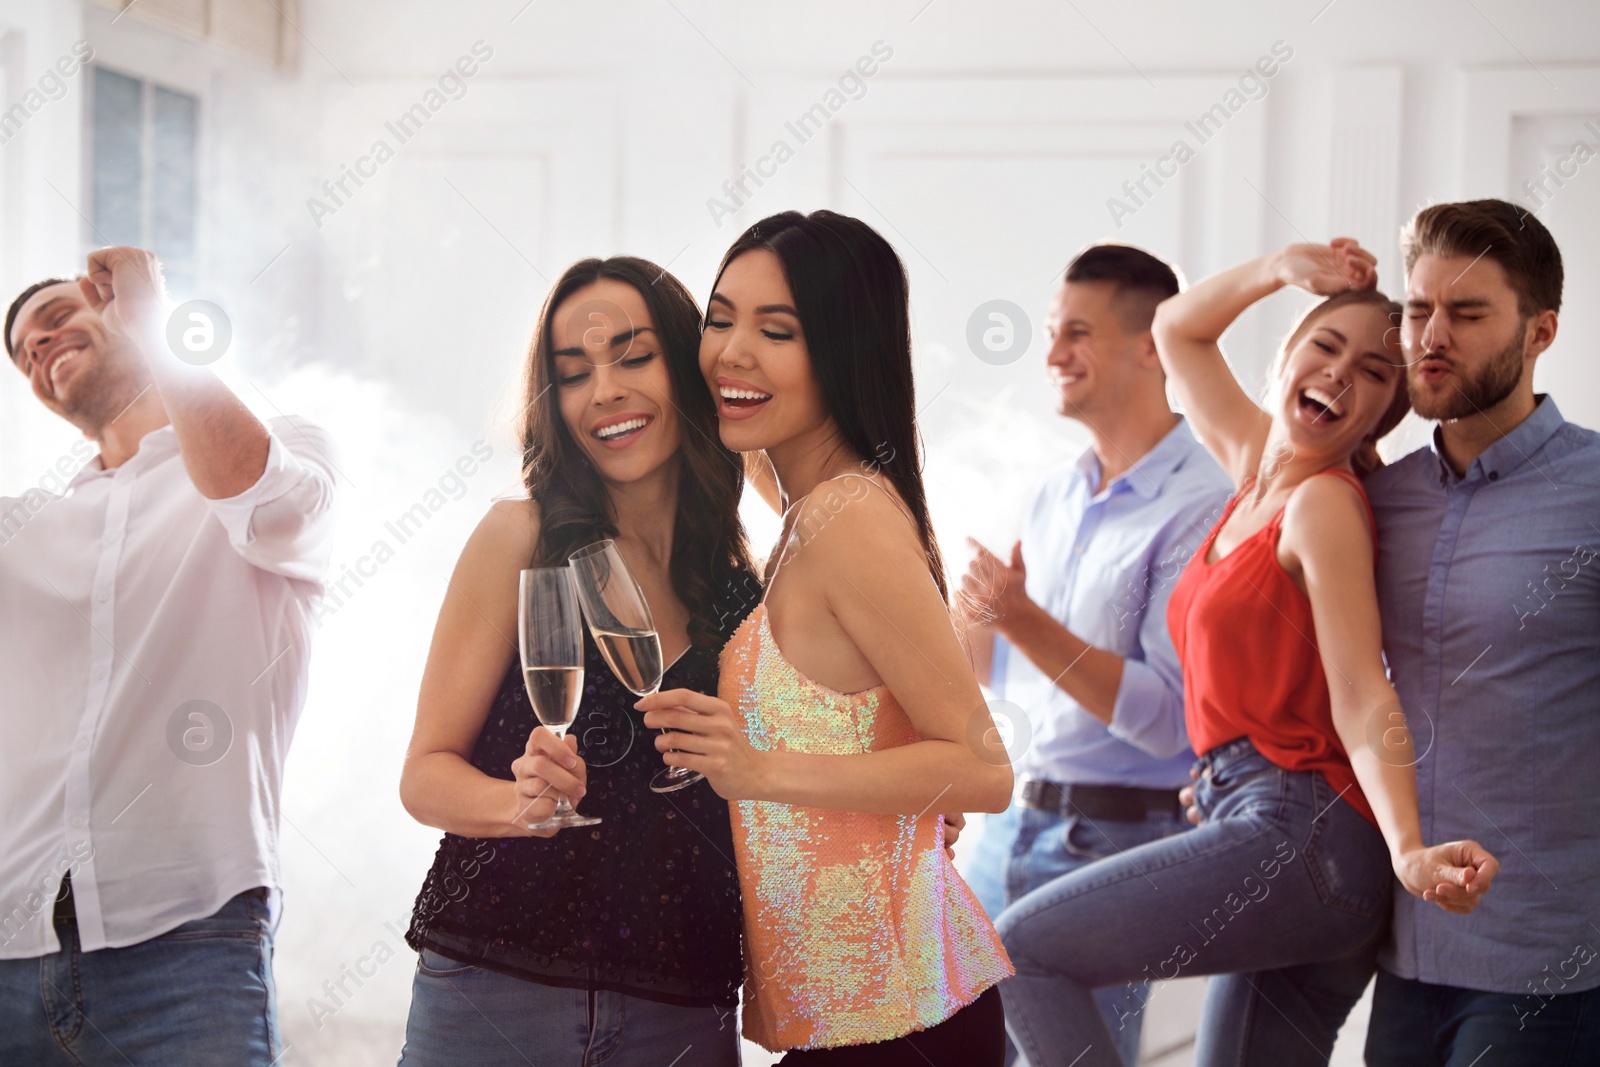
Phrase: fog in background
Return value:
(988, 143)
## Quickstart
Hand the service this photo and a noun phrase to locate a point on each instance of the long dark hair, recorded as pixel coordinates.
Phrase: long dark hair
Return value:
(710, 557)
(850, 293)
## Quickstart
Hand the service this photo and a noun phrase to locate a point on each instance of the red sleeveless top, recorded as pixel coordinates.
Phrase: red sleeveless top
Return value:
(1245, 637)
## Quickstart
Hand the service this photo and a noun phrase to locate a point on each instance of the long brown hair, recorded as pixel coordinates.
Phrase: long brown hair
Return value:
(710, 557)
(851, 295)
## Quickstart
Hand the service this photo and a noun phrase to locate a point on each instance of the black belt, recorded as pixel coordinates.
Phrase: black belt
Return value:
(1114, 803)
(66, 913)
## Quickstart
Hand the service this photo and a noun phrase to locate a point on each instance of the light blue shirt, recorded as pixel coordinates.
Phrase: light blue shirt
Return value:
(1489, 586)
(1103, 564)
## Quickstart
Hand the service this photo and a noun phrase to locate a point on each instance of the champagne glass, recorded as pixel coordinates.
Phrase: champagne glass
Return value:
(622, 627)
(550, 637)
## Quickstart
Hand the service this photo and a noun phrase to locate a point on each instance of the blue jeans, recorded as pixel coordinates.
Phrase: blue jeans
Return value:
(1024, 848)
(1283, 890)
(462, 1013)
(200, 995)
(1418, 1024)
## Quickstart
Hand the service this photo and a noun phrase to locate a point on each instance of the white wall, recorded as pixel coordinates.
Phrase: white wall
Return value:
(985, 147)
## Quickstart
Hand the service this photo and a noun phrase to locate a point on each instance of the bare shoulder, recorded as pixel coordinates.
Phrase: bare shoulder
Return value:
(856, 524)
(1326, 513)
(507, 535)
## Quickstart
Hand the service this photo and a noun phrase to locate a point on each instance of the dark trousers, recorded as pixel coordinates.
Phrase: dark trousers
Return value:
(1417, 1024)
(975, 1036)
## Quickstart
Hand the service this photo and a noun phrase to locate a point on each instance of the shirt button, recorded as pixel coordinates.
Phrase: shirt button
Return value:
(99, 673)
(77, 821)
(1494, 476)
(103, 597)
(83, 744)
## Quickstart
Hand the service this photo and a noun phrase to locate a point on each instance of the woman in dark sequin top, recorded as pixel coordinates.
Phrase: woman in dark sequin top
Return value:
(621, 939)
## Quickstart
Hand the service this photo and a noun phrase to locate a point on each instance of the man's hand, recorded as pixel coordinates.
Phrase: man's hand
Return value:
(125, 286)
(992, 590)
(953, 825)
(1191, 810)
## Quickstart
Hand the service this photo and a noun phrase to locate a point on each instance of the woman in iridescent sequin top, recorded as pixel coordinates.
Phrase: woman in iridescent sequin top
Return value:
(618, 941)
(842, 748)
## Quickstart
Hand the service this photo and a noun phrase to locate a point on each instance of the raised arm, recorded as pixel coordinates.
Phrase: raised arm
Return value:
(474, 644)
(1188, 329)
(224, 446)
(1326, 533)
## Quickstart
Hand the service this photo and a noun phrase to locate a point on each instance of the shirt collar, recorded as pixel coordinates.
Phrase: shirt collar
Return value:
(1147, 475)
(1512, 450)
(153, 446)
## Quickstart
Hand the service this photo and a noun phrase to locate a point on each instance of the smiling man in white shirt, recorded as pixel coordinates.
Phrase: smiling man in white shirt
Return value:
(155, 625)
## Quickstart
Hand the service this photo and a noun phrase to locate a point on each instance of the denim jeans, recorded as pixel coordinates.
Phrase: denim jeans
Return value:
(1419, 1024)
(462, 1013)
(1283, 890)
(1024, 848)
(200, 995)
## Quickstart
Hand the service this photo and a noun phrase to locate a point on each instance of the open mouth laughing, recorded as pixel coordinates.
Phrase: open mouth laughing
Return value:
(739, 400)
(1321, 405)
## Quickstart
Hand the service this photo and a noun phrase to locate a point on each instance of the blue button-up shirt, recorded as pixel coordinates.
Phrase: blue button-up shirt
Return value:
(1490, 591)
(1102, 561)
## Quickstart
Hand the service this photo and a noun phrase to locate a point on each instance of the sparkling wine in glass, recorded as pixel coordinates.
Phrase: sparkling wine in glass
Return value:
(625, 632)
(550, 637)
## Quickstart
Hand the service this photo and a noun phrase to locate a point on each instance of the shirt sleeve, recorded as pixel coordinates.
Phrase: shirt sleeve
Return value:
(284, 523)
(999, 664)
(1148, 712)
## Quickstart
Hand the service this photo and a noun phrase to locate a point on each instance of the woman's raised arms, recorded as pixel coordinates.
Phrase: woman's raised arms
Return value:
(1188, 328)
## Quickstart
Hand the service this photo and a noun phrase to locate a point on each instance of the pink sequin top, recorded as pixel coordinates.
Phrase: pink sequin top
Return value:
(857, 927)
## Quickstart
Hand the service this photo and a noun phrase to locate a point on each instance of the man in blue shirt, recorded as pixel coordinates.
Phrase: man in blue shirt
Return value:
(1490, 595)
(1073, 628)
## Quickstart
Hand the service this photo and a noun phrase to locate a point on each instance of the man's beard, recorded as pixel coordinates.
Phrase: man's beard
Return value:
(1463, 396)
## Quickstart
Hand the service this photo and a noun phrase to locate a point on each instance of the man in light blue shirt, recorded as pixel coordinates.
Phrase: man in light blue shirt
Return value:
(1074, 636)
(1489, 589)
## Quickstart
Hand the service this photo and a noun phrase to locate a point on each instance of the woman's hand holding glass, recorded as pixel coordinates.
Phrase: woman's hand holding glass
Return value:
(708, 739)
(548, 769)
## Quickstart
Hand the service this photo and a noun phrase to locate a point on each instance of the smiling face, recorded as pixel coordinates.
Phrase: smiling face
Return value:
(1465, 337)
(1093, 360)
(754, 357)
(1338, 382)
(611, 381)
(60, 343)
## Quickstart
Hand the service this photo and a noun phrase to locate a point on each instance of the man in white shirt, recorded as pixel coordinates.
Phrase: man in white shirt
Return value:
(155, 624)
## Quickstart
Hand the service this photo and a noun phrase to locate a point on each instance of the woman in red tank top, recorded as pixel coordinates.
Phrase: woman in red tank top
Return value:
(1305, 797)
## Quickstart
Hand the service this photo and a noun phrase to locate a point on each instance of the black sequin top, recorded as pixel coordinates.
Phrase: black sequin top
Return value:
(646, 903)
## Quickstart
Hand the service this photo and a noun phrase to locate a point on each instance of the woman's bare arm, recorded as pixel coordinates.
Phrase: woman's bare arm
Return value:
(474, 644)
(1326, 532)
(1188, 329)
(869, 566)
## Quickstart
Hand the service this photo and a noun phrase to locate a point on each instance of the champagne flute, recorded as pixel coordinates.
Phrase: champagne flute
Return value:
(623, 628)
(550, 637)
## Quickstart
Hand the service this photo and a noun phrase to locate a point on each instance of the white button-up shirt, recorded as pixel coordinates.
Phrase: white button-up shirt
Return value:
(154, 649)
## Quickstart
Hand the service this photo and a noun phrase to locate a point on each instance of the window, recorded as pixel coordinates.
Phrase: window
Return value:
(143, 171)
